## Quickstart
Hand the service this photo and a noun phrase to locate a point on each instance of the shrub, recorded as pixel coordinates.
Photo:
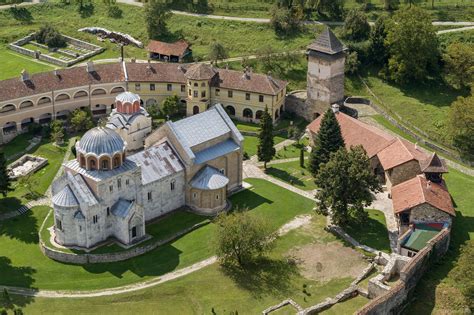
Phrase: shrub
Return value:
(356, 26)
(114, 12)
(352, 63)
(49, 36)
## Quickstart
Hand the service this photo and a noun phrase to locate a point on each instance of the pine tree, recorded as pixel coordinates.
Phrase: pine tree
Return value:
(5, 181)
(329, 139)
(302, 157)
(265, 149)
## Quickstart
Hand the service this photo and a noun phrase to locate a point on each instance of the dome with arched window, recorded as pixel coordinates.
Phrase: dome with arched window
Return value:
(127, 103)
(100, 148)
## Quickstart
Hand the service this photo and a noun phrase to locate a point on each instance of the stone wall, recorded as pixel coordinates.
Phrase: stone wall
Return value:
(82, 259)
(394, 301)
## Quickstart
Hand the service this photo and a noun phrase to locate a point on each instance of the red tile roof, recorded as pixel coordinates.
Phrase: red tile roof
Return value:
(434, 165)
(249, 81)
(66, 78)
(356, 132)
(155, 72)
(176, 49)
(419, 190)
(400, 152)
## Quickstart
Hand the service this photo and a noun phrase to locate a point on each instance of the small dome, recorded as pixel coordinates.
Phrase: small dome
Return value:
(65, 198)
(101, 140)
(127, 103)
(127, 97)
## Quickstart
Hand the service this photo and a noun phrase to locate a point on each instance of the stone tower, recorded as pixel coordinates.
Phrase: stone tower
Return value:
(325, 77)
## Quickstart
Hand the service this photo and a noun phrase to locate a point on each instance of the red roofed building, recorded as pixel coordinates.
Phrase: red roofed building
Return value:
(173, 52)
(419, 200)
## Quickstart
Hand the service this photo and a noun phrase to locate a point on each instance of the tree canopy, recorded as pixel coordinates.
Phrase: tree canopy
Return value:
(459, 64)
(81, 119)
(413, 46)
(346, 182)
(50, 36)
(328, 139)
(5, 181)
(217, 51)
(378, 49)
(241, 238)
(461, 124)
(57, 131)
(356, 26)
(157, 12)
(170, 105)
(265, 149)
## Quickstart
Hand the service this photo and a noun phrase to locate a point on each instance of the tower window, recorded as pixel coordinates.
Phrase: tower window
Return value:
(196, 94)
(217, 92)
(108, 211)
(172, 185)
(247, 96)
(169, 87)
(95, 219)
(149, 196)
(152, 86)
(127, 182)
(119, 183)
(59, 224)
(230, 93)
(260, 98)
(183, 88)
(111, 188)
(217, 197)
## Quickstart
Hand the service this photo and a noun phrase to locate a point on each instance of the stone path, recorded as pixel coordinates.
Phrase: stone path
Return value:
(384, 204)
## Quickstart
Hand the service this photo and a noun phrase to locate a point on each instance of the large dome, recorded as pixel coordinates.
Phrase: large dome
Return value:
(99, 141)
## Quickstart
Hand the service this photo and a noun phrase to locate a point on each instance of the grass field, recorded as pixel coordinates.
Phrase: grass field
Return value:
(251, 143)
(293, 174)
(25, 265)
(372, 232)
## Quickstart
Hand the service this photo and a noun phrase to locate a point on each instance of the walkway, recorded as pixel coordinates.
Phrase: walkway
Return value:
(384, 204)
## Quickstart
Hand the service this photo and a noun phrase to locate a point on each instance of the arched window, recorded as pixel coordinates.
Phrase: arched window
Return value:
(82, 161)
(248, 113)
(116, 162)
(105, 164)
(203, 84)
(258, 114)
(173, 185)
(195, 84)
(92, 164)
(230, 110)
(195, 110)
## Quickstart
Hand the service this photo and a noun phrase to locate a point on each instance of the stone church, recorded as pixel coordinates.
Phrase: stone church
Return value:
(105, 193)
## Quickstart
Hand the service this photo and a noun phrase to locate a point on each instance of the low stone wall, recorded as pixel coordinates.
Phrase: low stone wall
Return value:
(395, 299)
(82, 259)
(42, 162)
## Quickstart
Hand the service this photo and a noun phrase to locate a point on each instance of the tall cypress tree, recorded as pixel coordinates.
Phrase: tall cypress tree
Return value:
(5, 181)
(329, 139)
(265, 149)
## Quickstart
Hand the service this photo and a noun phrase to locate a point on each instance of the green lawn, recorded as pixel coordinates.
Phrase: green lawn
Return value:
(438, 292)
(12, 148)
(292, 173)
(13, 63)
(251, 143)
(26, 266)
(372, 232)
(292, 151)
(347, 307)
(42, 179)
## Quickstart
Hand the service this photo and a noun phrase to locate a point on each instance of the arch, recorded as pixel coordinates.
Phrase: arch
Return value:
(99, 91)
(195, 110)
(26, 104)
(63, 115)
(91, 163)
(258, 114)
(62, 97)
(8, 108)
(150, 101)
(9, 127)
(45, 118)
(277, 114)
(104, 163)
(82, 160)
(80, 94)
(117, 90)
(44, 100)
(117, 160)
(247, 113)
(26, 122)
(203, 84)
(230, 110)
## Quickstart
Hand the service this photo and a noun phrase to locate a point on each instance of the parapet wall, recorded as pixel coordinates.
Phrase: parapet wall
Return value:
(395, 299)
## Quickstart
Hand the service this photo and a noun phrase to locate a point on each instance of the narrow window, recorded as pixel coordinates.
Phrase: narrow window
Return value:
(260, 98)
(111, 188)
(229, 93)
(119, 183)
(195, 195)
(127, 182)
(134, 231)
(203, 93)
(172, 185)
(222, 171)
(137, 86)
(152, 86)
(95, 219)
(217, 197)
(169, 87)
(217, 92)
(149, 196)
(80, 228)
(108, 211)
(196, 85)
(189, 92)
(183, 88)
(196, 94)
(59, 224)
(247, 96)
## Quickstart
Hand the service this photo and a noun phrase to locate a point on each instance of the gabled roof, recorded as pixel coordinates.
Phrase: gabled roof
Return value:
(400, 152)
(178, 48)
(248, 81)
(433, 165)
(155, 72)
(219, 149)
(209, 178)
(418, 191)
(200, 71)
(122, 208)
(327, 43)
(157, 161)
(356, 132)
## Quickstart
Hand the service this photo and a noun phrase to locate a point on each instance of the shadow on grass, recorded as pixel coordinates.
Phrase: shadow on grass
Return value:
(23, 278)
(248, 199)
(371, 233)
(285, 176)
(9, 204)
(23, 228)
(263, 277)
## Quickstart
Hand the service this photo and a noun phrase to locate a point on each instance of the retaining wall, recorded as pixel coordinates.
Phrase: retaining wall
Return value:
(87, 258)
(394, 301)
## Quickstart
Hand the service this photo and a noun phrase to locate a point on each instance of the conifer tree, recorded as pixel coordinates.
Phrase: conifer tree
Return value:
(5, 181)
(329, 139)
(265, 149)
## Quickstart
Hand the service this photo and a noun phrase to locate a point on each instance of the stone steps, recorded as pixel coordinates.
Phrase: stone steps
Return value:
(23, 209)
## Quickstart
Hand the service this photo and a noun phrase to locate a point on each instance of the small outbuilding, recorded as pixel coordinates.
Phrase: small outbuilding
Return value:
(172, 52)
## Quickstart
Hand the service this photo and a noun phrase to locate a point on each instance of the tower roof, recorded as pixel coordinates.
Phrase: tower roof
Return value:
(327, 43)
(433, 164)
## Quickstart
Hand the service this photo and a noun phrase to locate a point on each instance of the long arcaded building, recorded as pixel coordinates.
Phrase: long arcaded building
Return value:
(54, 95)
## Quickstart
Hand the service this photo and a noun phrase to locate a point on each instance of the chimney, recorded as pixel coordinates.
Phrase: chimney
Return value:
(25, 76)
(335, 108)
(428, 185)
(90, 66)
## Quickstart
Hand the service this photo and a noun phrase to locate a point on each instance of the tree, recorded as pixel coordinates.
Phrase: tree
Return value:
(352, 63)
(157, 12)
(241, 237)
(302, 157)
(81, 119)
(459, 64)
(463, 272)
(412, 2)
(265, 149)
(49, 36)
(378, 35)
(57, 131)
(217, 51)
(390, 5)
(286, 19)
(329, 139)
(170, 105)
(330, 8)
(345, 184)
(5, 181)
(154, 111)
(461, 124)
(413, 46)
(30, 183)
(356, 25)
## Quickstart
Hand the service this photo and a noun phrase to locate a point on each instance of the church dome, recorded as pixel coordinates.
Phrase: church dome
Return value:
(101, 140)
(127, 103)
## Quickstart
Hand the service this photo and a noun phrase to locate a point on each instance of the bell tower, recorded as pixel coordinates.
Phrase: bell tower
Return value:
(325, 77)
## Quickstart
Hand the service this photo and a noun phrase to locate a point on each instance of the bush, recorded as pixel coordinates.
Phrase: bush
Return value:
(463, 273)
(114, 12)
(356, 26)
(362, 49)
(352, 63)
(49, 36)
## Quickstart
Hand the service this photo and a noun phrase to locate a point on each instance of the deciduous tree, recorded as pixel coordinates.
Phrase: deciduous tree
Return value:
(356, 25)
(57, 131)
(265, 149)
(413, 46)
(459, 64)
(217, 51)
(345, 184)
(461, 124)
(378, 49)
(170, 105)
(328, 139)
(5, 181)
(463, 272)
(241, 237)
(81, 119)
(157, 12)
